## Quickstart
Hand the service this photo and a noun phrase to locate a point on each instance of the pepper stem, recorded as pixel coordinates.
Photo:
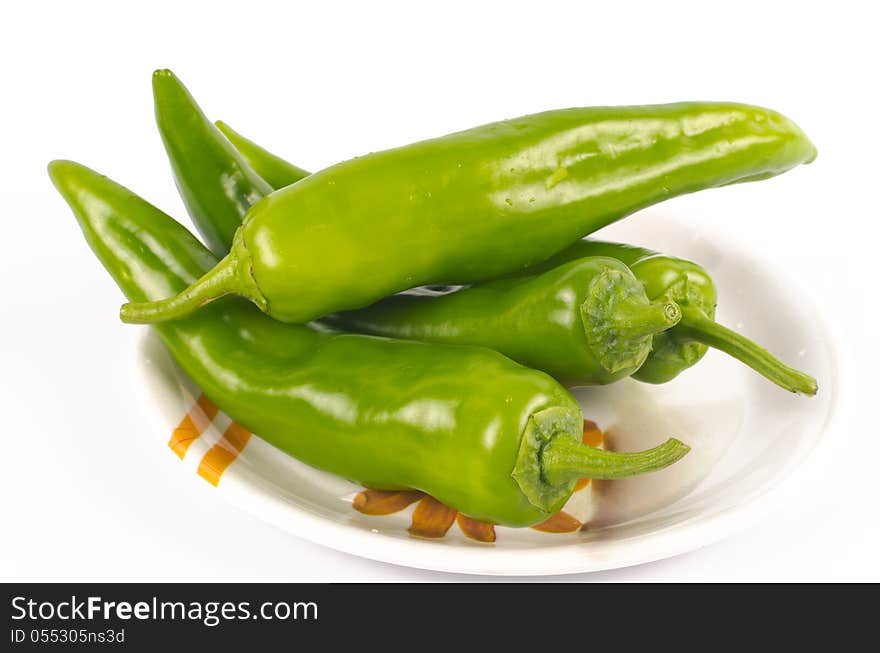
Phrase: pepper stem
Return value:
(230, 276)
(694, 325)
(619, 321)
(566, 459)
(633, 319)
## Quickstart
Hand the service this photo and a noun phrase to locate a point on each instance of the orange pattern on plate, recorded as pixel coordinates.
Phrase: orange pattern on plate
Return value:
(480, 531)
(592, 434)
(384, 502)
(561, 522)
(434, 519)
(192, 425)
(222, 454)
(431, 518)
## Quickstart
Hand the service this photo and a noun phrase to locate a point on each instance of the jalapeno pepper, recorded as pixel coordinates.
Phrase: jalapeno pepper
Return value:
(495, 440)
(479, 204)
(587, 322)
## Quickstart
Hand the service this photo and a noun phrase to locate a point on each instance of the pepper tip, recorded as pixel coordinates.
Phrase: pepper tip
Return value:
(164, 80)
(58, 170)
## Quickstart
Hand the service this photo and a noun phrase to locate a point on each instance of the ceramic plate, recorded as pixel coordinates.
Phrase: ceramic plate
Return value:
(746, 435)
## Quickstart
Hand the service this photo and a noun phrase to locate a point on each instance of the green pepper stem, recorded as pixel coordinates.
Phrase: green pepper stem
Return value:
(619, 321)
(566, 459)
(694, 325)
(631, 319)
(224, 279)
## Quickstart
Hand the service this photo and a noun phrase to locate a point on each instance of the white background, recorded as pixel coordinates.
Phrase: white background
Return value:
(85, 495)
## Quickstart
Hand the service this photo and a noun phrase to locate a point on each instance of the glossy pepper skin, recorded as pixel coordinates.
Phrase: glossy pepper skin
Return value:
(479, 204)
(664, 278)
(277, 172)
(496, 441)
(587, 322)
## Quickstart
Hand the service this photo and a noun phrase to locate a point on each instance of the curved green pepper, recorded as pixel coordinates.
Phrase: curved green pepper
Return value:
(479, 204)
(665, 278)
(494, 440)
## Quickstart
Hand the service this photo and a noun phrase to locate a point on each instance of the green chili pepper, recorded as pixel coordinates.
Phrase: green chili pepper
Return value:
(494, 440)
(479, 204)
(665, 278)
(530, 318)
(214, 160)
(587, 322)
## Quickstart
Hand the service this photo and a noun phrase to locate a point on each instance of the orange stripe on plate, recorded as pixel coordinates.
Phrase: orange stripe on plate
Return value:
(431, 518)
(561, 522)
(593, 436)
(192, 425)
(476, 530)
(224, 453)
(384, 502)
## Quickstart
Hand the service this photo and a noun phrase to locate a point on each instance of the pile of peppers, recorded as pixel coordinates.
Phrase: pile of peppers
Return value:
(410, 319)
